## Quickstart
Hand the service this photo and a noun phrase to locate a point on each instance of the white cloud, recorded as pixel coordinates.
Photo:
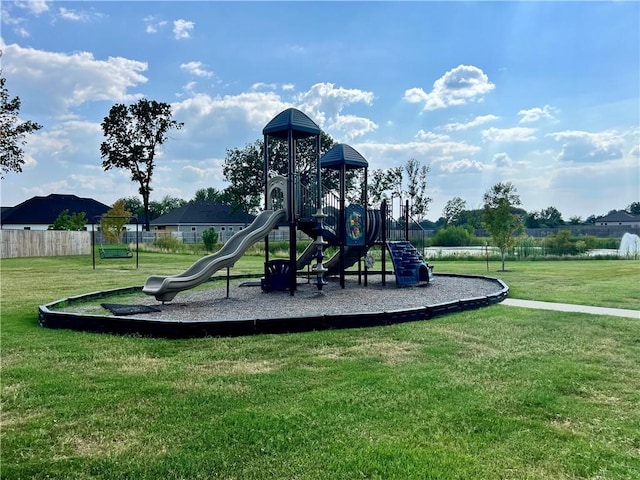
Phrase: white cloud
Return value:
(153, 24)
(197, 68)
(352, 126)
(579, 146)
(46, 188)
(462, 84)
(241, 117)
(435, 151)
(288, 87)
(263, 86)
(324, 101)
(207, 116)
(463, 165)
(58, 144)
(189, 88)
(182, 29)
(599, 186)
(479, 120)
(59, 81)
(192, 173)
(34, 6)
(22, 32)
(76, 15)
(502, 159)
(7, 18)
(516, 134)
(537, 113)
(431, 136)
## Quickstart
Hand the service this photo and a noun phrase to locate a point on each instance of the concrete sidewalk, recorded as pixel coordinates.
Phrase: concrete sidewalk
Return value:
(565, 307)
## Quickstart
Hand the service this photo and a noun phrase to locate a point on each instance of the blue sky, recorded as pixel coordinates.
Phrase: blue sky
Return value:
(545, 95)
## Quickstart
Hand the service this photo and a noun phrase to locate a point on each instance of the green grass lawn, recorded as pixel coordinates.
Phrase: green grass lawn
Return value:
(499, 392)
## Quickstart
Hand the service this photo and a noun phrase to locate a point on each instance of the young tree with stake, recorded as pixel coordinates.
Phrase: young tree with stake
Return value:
(498, 217)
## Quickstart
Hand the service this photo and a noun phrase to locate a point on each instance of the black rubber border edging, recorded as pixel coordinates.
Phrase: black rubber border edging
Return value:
(202, 328)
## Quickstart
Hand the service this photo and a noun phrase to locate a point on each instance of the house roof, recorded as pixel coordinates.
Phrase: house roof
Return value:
(204, 212)
(45, 210)
(620, 216)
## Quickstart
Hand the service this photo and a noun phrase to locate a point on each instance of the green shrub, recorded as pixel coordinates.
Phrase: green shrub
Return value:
(561, 244)
(526, 247)
(170, 243)
(209, 238)
(453, 236)
(74, 222)
(593, 243)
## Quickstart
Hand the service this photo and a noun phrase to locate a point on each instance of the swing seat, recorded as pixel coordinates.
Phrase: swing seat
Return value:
(115, 252)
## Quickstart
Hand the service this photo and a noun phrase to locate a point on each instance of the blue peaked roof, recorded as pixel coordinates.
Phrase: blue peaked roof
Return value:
(291, 119)
(342, 154)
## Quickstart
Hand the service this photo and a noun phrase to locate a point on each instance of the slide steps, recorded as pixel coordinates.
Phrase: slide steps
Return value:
(409, 265)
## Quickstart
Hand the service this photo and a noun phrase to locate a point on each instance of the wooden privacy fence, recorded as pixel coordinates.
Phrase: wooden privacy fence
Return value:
(44, 243)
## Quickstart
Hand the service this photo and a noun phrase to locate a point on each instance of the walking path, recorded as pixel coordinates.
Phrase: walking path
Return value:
(565, 307)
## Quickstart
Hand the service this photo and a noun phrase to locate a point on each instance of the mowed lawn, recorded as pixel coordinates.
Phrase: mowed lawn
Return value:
(494, 393)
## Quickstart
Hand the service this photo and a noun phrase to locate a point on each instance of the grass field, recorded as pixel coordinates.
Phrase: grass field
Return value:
(499, 392)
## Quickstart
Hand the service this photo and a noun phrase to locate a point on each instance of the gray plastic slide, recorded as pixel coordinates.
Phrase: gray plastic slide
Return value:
(166, 288)
(306, 256)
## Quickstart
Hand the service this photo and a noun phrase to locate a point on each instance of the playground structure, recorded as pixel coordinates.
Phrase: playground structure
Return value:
(302, 201)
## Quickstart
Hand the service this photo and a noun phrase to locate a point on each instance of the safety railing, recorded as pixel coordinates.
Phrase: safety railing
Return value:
(404, 228)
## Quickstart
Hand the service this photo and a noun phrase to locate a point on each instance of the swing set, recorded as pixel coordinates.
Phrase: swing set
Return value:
(109, 251)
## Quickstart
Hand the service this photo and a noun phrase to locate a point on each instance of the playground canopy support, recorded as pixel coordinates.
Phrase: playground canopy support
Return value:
(291, 125)
(343, 157)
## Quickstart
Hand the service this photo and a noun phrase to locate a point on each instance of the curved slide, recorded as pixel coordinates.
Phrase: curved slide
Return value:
(165, 288)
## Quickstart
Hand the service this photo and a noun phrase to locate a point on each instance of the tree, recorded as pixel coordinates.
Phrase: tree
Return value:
(392, 183)
(12, 131)
(112, 223)
(133, 205)
(417, 188)
(166, 205)
(244, 169)
(498, 216)
(134, 133)
(634, 208)
(532, 220)
(75, 222)
(561, 244)
(379, 184)
(472, 218)
(452, 210)
(212, 194)
(550, 217)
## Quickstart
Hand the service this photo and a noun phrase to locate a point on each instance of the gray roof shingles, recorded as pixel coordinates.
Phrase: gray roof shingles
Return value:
(620, 216)
(204, 212)
(45, 210)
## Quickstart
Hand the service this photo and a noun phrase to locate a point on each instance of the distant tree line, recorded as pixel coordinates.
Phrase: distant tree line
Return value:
(455, 213)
